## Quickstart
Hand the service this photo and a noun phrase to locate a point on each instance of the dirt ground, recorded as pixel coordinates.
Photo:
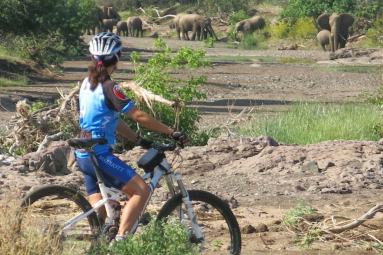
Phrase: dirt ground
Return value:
(270, 81)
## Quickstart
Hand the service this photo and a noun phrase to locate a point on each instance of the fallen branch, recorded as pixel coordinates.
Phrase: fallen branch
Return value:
(69, 97)
(370, 214)
(163, 17)
(140, 9)
(47, 139)
(147, 95)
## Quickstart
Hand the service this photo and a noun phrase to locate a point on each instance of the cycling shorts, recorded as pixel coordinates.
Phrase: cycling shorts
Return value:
(114, 172)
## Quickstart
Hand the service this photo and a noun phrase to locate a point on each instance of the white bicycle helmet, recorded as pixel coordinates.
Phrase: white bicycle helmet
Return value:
(105, 45)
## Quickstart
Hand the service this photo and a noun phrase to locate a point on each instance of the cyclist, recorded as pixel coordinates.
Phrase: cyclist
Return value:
(101, 101)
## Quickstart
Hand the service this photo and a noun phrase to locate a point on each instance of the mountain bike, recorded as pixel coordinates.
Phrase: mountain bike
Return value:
(65, 214)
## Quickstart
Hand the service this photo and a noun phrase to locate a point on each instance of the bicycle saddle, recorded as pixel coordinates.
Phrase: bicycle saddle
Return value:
(85, 143)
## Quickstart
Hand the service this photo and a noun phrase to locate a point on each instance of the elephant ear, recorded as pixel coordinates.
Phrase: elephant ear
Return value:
(323, 21)
(347, 19)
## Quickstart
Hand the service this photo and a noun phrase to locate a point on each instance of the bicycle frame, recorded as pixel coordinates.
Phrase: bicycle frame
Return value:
(112, 194)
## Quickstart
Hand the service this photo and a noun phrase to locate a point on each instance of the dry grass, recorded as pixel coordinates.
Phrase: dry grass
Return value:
(17, 240)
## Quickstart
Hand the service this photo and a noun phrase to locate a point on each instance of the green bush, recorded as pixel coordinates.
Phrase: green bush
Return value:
(312, 8)
(374, 36)
(280, 30)
(155, 76)
(169, 238)
(294, 216)
(303, 28)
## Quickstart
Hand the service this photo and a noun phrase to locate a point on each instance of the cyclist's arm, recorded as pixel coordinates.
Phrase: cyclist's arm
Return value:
(147, 121)
(124, 130)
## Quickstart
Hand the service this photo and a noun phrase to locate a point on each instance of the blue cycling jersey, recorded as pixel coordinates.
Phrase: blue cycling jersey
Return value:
(99, 112)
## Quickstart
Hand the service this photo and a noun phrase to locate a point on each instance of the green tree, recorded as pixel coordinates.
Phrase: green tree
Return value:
(45, 30)
(313, 8)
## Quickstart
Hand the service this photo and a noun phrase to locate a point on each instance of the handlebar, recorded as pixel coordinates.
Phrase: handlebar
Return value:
(85, 143)
(164, 147)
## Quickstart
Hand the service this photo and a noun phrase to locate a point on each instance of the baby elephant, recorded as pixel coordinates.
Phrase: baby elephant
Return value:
(324, 38)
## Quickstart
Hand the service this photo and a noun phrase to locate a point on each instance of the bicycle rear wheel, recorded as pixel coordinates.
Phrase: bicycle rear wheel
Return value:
(214, 217)
(45, 210)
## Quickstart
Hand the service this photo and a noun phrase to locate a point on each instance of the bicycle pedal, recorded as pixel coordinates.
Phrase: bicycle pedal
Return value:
(145, 219)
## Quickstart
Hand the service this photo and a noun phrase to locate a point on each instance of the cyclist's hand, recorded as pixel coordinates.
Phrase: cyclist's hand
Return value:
(146, 144)
(180, 137)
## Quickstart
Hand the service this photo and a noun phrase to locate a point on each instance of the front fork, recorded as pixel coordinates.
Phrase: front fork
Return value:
(180, 188)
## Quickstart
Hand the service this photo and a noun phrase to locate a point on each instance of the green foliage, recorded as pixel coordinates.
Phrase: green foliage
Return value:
(313, 8)
(306, 240)
(375, 97)
(369, 9)
(156, 238)
(209, 42)
(46, 30)
(38, 105)
(250, 40)
(303, 28)
(294, 216)
(280, 30)
(156, 77)
(238, 16)
(214, 6)
(374, 36)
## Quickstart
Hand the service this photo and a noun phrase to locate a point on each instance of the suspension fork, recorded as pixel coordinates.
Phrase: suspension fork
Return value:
(185, 200)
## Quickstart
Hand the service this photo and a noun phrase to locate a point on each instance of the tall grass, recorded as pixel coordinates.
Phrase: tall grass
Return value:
(30, 241)
(309, 123)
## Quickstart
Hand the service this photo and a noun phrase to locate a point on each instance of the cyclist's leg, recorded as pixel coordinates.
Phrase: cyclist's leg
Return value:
(139, 192)
(94, 198)
(86, 166)
(121, 176)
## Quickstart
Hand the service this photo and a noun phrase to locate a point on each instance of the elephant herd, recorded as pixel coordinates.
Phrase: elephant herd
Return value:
(108, 19)
(334, 26)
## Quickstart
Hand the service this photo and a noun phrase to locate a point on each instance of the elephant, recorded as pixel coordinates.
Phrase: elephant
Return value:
(134, 24)
(338, 25)
(176, 24)
(105, 12)
(324, 38)
(198, 24)
(108, 24)
(122, 26)
(249, 25)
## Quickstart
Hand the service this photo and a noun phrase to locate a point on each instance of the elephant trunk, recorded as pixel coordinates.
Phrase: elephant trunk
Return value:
(212, 33)
(335, 38)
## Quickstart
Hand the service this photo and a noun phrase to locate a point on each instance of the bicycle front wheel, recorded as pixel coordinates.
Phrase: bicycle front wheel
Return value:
(44, 212)
(214, 217)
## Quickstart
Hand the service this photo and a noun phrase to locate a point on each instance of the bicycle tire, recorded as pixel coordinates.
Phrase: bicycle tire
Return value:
(204, 204)
(52, 205)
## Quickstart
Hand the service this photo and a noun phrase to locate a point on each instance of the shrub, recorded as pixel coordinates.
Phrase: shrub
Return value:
(156, 238)
(155, 76)
(294, 216)
(303, 28)
(374, 36)
(280, 30)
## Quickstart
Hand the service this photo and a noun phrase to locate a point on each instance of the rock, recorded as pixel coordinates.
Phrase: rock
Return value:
(248, 229)
(310, 167)
(261, 228)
